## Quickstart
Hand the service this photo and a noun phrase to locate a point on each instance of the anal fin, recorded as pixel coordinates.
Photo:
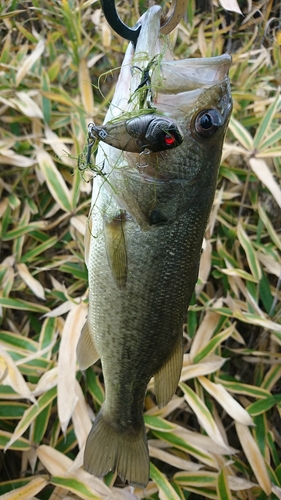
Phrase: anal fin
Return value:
(167, 378)
(86, 351)
(116, 248)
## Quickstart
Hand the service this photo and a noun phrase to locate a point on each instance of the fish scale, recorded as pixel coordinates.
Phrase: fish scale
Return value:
(144, 242)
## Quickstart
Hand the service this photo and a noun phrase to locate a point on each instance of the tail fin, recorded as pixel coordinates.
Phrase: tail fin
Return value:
(126, 452)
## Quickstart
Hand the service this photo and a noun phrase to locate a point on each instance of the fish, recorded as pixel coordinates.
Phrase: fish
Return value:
(144, 239)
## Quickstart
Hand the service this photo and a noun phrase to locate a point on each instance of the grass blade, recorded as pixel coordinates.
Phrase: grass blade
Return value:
(203, 414)
(228, 403)
(54, 180)
(30, 61)
(223, 489)
(262, 171)
(30, 414)
(67, 363)
(250, 253)
(166, 491)
(254, 456)
(27, 491)
(241, 134)
(265, 123)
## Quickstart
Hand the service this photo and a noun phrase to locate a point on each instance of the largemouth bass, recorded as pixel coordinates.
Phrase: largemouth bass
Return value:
(146, 226)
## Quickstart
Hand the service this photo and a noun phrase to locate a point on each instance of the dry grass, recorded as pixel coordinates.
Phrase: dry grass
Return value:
(220, 435)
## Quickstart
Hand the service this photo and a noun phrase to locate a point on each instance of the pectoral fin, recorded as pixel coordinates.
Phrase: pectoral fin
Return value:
(116, 249)
(167, 378)
(86, 351)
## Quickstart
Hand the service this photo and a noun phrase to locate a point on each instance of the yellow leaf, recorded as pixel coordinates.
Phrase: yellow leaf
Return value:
(59, 147)
(54, 180)
(86, 87)
(58, 464)
(67, 363)
(229, 404)
(29, 61)
(254, 456)
(14, 377)
(26, 492)
(81, 420)
(204, 416)
(205, 330)
(11, 158)
(231, 5)
(210, 364)
(46, 382)
(262, 171)
(34, 285)
(26, 105)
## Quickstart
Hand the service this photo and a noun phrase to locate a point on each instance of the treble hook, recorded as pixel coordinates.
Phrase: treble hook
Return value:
(175, 14)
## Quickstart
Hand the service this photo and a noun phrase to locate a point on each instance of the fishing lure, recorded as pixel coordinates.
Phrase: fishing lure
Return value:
(145, 132)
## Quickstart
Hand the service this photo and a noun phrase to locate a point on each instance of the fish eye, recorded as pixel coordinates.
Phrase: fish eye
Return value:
(207, 122)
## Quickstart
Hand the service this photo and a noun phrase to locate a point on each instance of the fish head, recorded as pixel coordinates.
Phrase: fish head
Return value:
(194, 94)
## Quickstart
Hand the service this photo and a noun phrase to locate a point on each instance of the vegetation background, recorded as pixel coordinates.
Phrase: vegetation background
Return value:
(220, 437)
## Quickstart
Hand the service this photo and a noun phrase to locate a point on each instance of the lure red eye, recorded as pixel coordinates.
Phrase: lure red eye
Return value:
(169, 140)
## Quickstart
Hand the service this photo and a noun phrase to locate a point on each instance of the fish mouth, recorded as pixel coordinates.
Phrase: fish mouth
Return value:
(169, 79)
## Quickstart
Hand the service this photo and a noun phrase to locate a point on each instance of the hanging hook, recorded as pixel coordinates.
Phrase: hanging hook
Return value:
(173, 18)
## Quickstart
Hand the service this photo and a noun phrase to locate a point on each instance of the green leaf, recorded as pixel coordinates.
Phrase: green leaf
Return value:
(67, 442)
(40, 424)
(31, 254)
(158, 423)
(250, 253)
(79, 271)
(21, 230)
(240, 273)
(20, 444)
(273, 450)
(246, 389)
(269, 227)
(241, 134)
(31, 487)
(22, 305)
(199, 479)
(94, 386)
(271, 139)
(55, 181)
(260, 432)
(202, 413)
(272, 377)
(48, 333)
(12, 411)
(166, 491)
(259, 407)
(31, 413)
(223, 489)
(213, 344)
(265, 123)
(181, 444)
(75, 486)
(6, 392)
(46, 103)
(16, 341)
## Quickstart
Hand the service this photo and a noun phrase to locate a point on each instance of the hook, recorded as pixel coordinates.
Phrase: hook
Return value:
(111, 15)
(173, 18)
(175, 14)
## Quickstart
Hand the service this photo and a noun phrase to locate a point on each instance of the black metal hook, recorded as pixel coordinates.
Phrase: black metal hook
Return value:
(113, 19)
(174, 16)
